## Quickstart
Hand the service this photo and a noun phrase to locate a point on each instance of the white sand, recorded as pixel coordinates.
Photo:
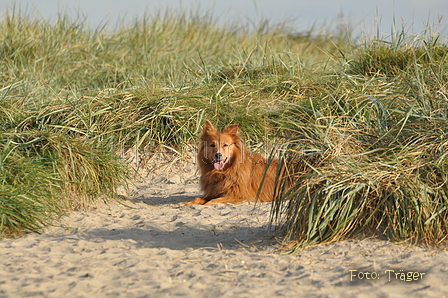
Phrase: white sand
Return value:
(159, 249)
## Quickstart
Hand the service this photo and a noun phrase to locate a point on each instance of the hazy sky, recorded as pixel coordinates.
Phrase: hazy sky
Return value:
(365, 14)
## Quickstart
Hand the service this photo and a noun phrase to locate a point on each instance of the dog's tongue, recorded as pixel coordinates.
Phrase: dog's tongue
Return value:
(219, 165)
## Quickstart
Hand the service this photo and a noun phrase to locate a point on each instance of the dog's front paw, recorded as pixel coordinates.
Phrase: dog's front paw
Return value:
(186, 204)
(196, 201)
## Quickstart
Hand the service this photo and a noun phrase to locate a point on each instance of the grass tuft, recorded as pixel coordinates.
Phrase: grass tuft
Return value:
(370, 158)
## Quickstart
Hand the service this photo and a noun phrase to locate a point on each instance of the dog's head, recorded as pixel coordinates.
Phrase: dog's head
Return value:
(220, 148)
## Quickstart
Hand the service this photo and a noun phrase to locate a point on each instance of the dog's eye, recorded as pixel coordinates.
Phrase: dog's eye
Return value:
(212, 145)
(225, 145)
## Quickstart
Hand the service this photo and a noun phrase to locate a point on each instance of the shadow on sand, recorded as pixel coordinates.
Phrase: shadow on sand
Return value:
(185, 237)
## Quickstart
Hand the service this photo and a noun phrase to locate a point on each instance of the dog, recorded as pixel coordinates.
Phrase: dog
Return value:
(229, 172)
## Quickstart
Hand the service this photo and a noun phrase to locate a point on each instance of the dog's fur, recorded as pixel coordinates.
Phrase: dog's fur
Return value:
(229, 173)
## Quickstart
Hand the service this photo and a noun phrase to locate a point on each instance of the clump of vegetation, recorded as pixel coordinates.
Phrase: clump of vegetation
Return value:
(371, 159)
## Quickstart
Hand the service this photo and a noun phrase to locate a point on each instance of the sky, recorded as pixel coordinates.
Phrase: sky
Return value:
(364, 16)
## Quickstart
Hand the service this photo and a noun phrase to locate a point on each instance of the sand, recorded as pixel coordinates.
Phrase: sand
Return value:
(155, 248)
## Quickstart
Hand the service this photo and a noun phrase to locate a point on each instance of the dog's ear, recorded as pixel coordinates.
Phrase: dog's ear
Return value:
(208, 128)
(231, 129)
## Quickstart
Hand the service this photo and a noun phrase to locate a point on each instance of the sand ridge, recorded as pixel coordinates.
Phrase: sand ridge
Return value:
(158, 249)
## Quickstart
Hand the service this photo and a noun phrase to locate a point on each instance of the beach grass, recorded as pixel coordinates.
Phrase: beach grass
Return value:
(370, 157)
(361, 125)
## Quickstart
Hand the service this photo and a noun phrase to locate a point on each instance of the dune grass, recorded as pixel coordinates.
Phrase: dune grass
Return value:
(363, 123)
(370, 157)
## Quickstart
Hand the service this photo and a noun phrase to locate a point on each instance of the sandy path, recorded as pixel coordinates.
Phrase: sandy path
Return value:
(158, 249)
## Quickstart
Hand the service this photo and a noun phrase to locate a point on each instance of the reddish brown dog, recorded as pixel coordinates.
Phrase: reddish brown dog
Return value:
(229, 173)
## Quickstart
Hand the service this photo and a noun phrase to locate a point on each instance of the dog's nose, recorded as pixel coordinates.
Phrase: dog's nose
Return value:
(218, 155)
